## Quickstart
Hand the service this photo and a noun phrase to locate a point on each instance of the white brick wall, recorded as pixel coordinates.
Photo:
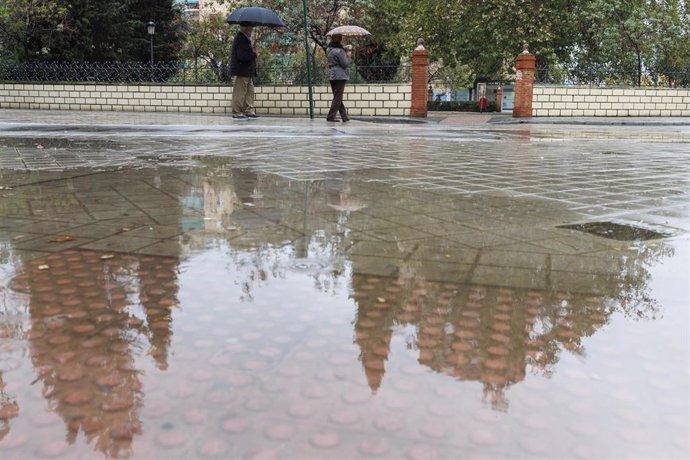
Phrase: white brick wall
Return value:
(552, 101)
(379, 100)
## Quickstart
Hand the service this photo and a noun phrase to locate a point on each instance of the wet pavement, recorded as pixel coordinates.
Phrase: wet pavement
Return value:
(198, 287)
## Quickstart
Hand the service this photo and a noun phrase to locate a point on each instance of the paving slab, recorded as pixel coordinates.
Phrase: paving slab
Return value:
(188, 286)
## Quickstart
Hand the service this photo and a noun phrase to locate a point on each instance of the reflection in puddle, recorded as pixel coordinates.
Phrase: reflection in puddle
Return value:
(90, 321)
(494, 336)
(267, 322)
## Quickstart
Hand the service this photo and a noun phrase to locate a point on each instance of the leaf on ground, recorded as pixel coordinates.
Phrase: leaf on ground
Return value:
(61, 239)
(107, 256)
(43, 267)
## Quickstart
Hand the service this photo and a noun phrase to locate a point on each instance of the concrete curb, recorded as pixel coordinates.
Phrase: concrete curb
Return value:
(595, 122)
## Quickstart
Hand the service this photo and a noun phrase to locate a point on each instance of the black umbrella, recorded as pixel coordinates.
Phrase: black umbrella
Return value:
(255, 16)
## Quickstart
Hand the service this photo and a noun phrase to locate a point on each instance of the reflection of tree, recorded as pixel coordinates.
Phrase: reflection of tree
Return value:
(493, 335)
(635, 301)
(8, 409)
(88, 316)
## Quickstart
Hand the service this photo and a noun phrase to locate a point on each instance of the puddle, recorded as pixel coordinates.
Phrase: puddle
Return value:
(389, 121)
(149, 356)
(221, 312)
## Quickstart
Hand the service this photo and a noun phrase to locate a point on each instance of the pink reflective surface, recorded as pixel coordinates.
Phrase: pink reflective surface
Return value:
(234, 353)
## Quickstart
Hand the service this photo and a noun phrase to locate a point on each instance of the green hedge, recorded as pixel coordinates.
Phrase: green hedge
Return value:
(459, 106)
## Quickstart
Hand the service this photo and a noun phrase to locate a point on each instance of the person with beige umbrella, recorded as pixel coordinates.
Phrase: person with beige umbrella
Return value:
(339, 59)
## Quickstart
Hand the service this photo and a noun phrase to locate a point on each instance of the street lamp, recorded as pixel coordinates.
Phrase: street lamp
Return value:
(151, 28)
(308, 51)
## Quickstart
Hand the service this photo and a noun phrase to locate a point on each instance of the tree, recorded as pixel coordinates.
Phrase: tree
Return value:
(27, 25)
(593, 41)
(89, 30)
(209, 39)
(487, 35)
(375, 58)
(94, 30)
(630, 40)
(169, 38)
(323, 15)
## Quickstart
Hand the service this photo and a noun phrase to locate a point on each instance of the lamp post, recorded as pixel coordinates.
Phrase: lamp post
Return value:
(308, 51)
(151, 28)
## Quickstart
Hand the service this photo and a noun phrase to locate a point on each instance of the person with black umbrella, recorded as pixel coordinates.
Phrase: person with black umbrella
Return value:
(243, 68)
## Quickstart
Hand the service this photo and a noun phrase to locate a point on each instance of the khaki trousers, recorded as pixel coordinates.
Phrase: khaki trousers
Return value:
(243, 96)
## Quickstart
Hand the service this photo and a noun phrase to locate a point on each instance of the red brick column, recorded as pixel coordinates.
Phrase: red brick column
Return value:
(420, 72)
(525, 65)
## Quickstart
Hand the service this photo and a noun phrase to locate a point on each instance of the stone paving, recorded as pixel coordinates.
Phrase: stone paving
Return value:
(389, 267)
(592, 174)
(490, 189)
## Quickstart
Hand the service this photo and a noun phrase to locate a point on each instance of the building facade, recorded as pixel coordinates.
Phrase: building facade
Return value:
(196, 8)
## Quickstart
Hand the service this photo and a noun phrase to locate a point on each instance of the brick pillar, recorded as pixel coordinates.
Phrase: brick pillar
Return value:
(420, 72)
(525, 65)
(499, 98)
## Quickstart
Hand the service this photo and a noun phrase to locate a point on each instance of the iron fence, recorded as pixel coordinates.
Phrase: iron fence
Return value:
(187, 73)
(361, 73)
(91, 72)
(607, 76)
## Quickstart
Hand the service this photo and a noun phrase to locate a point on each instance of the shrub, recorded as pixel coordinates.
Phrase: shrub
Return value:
(459, 106)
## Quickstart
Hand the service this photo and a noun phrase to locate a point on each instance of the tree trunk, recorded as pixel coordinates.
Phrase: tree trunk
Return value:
(313, 59)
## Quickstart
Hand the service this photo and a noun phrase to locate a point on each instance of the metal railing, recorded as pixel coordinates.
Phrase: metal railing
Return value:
(186, 73)
(91, 72)
(362, 73)
(607, 76)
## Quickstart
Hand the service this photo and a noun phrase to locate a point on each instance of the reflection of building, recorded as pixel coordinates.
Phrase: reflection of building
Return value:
(220, 200)
(219, 203)
(89, 316)
(485, 334)
(157, 296)
(508, 92)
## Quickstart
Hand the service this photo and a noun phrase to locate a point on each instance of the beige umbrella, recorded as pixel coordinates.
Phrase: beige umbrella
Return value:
(349, 31)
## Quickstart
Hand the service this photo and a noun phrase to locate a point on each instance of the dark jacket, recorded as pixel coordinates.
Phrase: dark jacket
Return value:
(338, 62)
(243, 57)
